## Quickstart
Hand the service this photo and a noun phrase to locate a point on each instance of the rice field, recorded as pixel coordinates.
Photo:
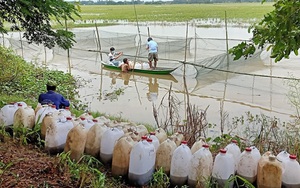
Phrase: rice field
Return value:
(175, 13)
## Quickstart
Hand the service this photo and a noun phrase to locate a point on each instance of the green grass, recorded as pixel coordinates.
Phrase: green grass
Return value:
(175, 13)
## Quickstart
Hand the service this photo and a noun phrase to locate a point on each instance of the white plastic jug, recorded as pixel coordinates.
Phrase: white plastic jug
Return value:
(7, 114)
(121, 156)
(87, 123)
(200, 168)
(56, 135)
(141, 165)
(164, 155)
(291, 172)
(255, 152)
(177, 137)
(108, 142)
(155, 140)
(93, 140)
(180, 164)
(223, 168)
(247, 166)
(41, 113)
(234, 149)
(282, 156)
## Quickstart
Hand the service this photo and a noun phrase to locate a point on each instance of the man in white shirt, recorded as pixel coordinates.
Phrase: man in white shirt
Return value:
(113, 56)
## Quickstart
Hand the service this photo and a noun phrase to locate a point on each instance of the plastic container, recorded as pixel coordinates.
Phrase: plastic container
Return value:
(121, 156)
(141, 163)
(87, 123)
(234, 149)
(24, 117)
(200, 167)
(7, 114)
(75, 142)
(282, 156)
(65, 112)
(255, 153)
(164, 155)
(108, 141)
(161, 135)
(86, 115)
(197, 145)
(47, 120)
(93, 141)
(56, 135)
(155, 140)
(247, 166)
(291, 173)
(177, 138)
(223, 168)
(141, 130)
(269, 172)
(180, 165)
(41, 113)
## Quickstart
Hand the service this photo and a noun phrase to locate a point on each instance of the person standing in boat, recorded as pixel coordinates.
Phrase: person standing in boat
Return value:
(113, 56)
(152, 48)
(125, 65)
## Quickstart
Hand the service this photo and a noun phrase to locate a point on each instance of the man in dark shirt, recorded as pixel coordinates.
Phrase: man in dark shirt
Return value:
(51, 97)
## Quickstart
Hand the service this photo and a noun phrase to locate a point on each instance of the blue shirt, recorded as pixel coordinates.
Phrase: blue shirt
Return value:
(152, 46)
(52, 97)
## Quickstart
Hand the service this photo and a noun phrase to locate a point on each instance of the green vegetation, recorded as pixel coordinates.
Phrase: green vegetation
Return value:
(172, 13)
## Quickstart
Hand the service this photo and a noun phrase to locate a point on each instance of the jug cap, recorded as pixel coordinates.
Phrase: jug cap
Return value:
(144, 137)
(149, 140)
(184, 142)
(293, 157)
(69, 118)
(20, 104)
(82, 118)
(95, 120)
(67, 108)
(248, 149)
(234, 141)
(223, 150)
(152, 133)
(205, 145)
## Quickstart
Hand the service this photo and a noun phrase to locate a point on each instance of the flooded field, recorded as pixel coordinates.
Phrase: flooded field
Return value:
(258, 87)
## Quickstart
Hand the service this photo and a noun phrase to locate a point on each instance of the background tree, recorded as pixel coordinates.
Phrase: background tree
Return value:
(279, 28)
(34, 18)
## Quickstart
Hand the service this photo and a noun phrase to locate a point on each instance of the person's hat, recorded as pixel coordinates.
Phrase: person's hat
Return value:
(112, 49)
(51, 83)
(149, 39)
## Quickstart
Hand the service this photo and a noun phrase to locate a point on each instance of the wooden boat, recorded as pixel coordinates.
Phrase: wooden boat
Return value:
(157, 70)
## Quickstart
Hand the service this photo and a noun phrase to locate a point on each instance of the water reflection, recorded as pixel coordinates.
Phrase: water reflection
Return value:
(153, 89)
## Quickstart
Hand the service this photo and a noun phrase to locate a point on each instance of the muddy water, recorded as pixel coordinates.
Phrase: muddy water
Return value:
(134, 96)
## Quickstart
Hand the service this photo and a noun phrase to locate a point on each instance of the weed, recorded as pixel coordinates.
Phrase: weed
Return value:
(160, 179)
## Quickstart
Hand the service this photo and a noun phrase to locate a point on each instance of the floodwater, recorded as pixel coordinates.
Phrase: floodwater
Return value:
(134, 96)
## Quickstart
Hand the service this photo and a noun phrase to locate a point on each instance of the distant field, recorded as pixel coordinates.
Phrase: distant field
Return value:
(175, 13)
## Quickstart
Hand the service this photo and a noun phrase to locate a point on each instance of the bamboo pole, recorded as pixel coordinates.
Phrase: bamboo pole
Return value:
(99, 42)
(68, 51)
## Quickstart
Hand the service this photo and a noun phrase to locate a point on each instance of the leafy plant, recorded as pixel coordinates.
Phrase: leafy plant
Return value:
(160, 179)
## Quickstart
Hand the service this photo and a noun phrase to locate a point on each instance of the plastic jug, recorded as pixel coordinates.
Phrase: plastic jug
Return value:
(121, 155)
(180, 164)
(200, 167)
(86, 115)
(282, 156)
(108, 141)
(87, 123)
(56, 135)
(134, 135)
(93, 141)
(291, 172)
(102, 120)
(164, 155)
(41, 113)
(47, 120)
(141, 130)
(247, 166)
(65, 112)
(234, 149)
(177, 138)
(75, 142)
(7, 114)
(161, 135)
(197, 145)
(269, 172)
(24, 117)
(223, 168)
(141, 163)
(155, 140)
(255, 153)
